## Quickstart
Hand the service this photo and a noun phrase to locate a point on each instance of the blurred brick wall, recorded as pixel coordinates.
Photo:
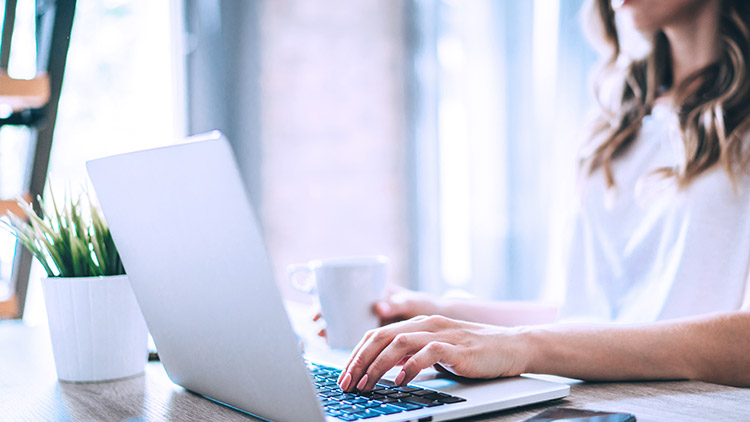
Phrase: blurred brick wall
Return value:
(333, 131)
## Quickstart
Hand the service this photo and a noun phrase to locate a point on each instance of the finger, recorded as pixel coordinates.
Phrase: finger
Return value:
(403, 360)
(393, 307)
(354, 353)
(434, 353)
(402, 346)
(383, 310)
(315, 311)
(373, 343)
(355, 358)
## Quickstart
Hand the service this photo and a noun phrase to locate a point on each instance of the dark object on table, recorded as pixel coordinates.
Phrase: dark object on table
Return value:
(580, 415)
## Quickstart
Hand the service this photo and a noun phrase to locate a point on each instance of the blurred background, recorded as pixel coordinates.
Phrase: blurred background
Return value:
(442, 134)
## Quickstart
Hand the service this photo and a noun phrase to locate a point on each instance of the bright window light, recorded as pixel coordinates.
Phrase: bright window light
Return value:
(544, 59)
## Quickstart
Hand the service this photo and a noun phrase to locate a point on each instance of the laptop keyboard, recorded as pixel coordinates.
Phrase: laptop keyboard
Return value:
(382, 400)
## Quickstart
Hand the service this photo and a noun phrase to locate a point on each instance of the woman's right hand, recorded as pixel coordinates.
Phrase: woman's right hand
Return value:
(463, 348)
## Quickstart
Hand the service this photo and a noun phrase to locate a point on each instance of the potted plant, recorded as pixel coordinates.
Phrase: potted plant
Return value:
(96, 327)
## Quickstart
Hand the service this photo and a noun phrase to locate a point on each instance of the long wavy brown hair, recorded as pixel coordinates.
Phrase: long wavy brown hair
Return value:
(713, 104)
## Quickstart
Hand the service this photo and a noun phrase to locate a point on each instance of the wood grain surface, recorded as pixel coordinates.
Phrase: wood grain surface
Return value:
(30, 391)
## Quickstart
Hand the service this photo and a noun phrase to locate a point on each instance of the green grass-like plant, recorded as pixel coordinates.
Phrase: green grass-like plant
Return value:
(72, 240)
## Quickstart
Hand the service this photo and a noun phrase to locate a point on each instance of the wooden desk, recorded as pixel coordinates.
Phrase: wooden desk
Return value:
(29, 391)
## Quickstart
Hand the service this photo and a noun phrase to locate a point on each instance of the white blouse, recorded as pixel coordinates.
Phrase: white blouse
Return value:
(646, 250)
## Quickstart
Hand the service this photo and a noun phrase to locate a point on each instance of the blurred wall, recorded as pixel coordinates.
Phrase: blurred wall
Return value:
(311, 94)
(333, 135)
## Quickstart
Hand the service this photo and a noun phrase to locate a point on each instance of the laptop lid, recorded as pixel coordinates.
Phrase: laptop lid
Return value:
(194, 255)
(190, 243)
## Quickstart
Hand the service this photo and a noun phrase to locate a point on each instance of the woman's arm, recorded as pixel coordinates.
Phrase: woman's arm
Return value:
(401, 304)
(710, 348)
(507, 314)
(713, 348)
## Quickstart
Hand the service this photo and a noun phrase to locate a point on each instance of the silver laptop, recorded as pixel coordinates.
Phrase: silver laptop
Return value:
(192, 248)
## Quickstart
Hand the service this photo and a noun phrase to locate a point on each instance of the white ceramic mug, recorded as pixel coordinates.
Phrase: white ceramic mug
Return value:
(347, 289)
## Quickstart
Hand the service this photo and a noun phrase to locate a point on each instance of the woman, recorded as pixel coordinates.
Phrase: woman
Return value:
(662, 238)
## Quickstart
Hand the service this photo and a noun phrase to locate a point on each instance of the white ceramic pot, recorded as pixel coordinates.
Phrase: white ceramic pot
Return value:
(96, 326)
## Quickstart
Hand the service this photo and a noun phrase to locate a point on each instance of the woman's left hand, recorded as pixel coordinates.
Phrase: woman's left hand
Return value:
(463, 348)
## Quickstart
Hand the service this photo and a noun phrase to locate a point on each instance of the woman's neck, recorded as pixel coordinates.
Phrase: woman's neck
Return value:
(694, 40)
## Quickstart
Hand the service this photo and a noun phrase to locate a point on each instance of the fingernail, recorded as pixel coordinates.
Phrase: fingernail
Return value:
(383, 308)
(346, 381)
(400, 378)
(362, 383)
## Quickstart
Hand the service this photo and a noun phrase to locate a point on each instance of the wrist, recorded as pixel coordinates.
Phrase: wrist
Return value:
(438, 306)
(531, 349)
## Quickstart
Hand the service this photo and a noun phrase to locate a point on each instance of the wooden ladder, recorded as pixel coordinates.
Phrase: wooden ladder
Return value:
(33, 103)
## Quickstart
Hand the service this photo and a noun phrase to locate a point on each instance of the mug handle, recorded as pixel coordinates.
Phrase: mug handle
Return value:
(306, 284)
